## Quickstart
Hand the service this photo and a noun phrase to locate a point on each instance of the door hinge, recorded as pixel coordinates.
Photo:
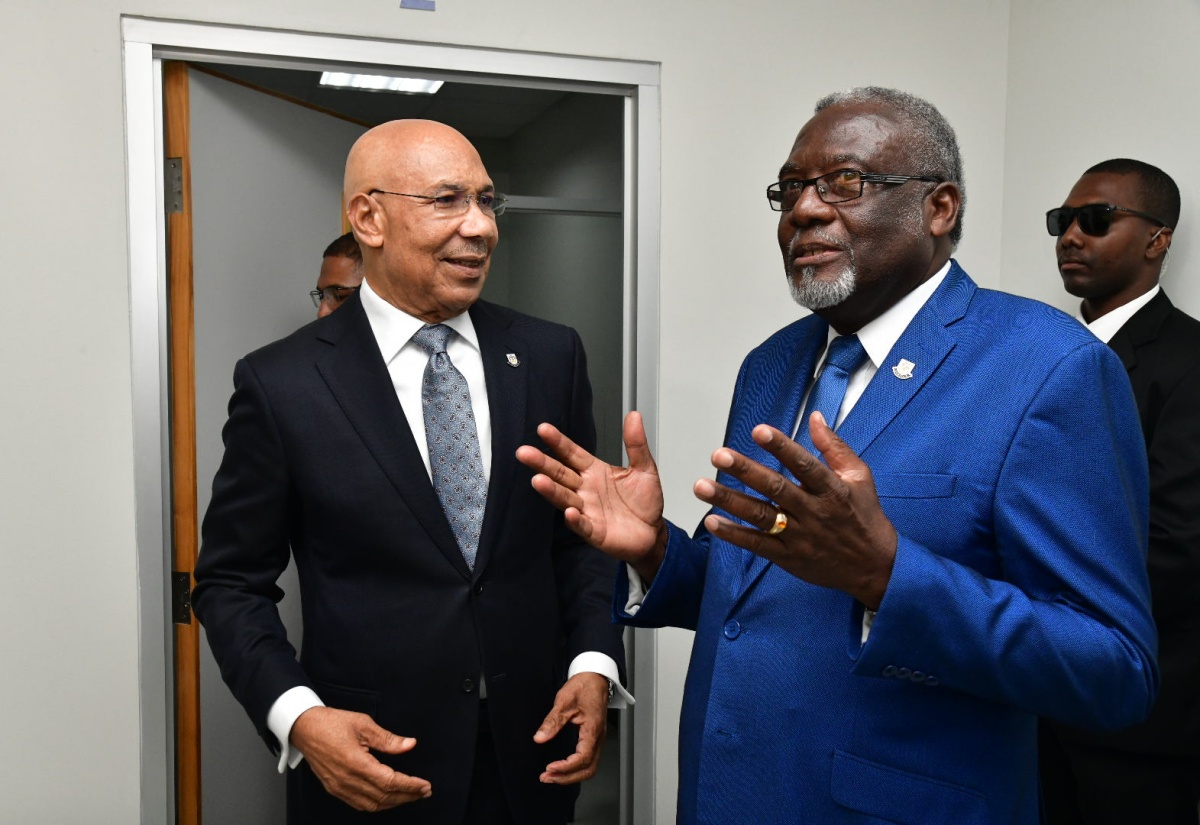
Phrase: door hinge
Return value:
(181, 598)
(173, 184)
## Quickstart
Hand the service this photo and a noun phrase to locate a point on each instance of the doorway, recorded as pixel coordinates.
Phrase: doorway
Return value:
(628, 235)
(265, 200)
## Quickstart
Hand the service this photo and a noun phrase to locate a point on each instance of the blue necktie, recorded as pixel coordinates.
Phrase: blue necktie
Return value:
(845, 355)
(454, 457)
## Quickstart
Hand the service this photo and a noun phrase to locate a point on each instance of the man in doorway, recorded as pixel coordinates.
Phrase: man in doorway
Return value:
(341, 273)
(881, 614)
(1113, 234)
(458, 652)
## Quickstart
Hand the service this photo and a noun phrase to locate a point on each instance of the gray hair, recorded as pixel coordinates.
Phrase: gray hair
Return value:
(931, 143)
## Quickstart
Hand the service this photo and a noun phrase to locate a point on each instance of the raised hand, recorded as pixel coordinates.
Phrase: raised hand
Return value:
(837, 534)
(618, 510)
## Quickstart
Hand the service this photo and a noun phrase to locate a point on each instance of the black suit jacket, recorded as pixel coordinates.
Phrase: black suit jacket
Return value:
(1160, 347)
(319, 459)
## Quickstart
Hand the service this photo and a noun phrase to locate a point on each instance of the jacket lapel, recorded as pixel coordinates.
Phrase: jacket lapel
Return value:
(784, 415)
(355, 373)
(925, 343)
(785, 409)
(505, 369)
(1141, 329)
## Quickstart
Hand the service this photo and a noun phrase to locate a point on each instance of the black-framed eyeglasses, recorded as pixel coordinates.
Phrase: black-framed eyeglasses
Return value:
(834, 187)
(332, 295)
(457, 202)
(1094, 218)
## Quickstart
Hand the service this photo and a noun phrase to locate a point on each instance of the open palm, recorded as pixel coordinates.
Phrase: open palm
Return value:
(616, 509)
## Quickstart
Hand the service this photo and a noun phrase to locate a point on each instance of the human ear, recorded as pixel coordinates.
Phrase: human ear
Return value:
(1160, 243)
(367, 220)
(942, 208)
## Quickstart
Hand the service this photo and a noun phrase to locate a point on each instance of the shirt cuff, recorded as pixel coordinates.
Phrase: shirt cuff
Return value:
(637, 592)
(283, 714)
(594, 661)
(868, 620)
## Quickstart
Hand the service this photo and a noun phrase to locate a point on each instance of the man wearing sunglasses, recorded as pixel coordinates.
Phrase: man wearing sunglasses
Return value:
(1113, 234)
(458, 654)
(882, 612)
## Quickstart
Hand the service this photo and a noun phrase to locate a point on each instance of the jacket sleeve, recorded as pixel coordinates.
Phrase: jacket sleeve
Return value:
(1065, 631)
(673, 599)
(244, 549)
(1174, 452)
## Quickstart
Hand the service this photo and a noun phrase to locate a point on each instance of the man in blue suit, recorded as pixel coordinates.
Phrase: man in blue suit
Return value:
(881, 614)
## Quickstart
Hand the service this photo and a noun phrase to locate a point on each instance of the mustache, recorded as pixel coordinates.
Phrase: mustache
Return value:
(470, 246)
(817, 234)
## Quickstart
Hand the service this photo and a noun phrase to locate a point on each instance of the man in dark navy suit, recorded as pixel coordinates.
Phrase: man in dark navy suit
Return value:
(458, 652)
(1114, 231)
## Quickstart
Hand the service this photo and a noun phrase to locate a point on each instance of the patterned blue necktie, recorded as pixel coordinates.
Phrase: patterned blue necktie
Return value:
(845, 355)
(454, 458)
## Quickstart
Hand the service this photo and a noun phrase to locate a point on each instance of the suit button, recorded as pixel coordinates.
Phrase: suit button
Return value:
(931, 681)
(917, 676)
(903, 673)
(733, 629)
(890, 671)
(478, 588)
(468, 685)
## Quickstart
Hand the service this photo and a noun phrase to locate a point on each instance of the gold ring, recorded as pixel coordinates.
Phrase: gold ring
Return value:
(780, 524)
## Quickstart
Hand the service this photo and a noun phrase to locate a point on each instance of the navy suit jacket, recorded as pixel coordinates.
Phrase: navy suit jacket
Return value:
(1009, 467)
(1160, 348)
(319, 459)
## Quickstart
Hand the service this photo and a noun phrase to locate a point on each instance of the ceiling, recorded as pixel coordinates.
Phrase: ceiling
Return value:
(478, 111)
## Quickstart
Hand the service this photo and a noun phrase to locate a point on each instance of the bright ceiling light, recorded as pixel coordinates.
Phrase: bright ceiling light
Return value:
(380, 83)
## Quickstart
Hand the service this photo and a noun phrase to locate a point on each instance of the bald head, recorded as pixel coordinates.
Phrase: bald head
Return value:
(421, 252)
(399, 148)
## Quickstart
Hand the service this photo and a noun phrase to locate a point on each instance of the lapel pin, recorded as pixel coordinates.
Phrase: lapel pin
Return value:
(904, 369)
(512, 359)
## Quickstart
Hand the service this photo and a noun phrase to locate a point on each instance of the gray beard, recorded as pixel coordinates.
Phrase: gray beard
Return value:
(813, 294)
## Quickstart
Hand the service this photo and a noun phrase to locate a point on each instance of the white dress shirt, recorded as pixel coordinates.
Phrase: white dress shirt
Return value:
(393, 329)
(1106, 326)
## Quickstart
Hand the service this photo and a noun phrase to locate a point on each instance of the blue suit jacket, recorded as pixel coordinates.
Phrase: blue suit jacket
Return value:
(1012, 466)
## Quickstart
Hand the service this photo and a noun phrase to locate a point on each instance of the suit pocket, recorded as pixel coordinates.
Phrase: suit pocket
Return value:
(915, 485)
(899, 796)
(348, 698)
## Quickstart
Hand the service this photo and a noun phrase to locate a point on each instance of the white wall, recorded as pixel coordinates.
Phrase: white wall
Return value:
(569, 267)
(738, 80)
(1090, 80)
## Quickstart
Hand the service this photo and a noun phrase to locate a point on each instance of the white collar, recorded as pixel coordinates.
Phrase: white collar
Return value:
(1106, 326)
(879, 336)
(393, 327)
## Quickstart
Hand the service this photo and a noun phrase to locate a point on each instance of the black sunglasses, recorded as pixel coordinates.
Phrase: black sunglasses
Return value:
(1094, 219)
